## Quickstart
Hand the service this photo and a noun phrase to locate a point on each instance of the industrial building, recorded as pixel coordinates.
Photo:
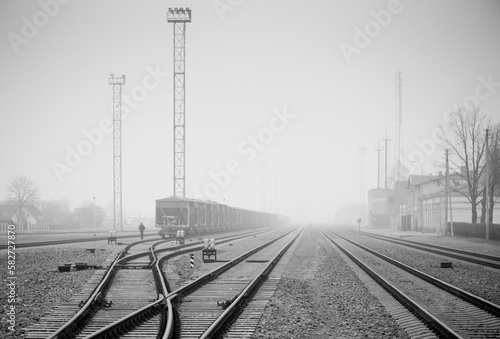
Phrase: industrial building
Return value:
(419, 204)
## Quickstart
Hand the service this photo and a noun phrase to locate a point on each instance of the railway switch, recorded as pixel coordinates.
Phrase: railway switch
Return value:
(112, 237)
(81, 266)
(64, 268)
(209, 250)
(227, 303)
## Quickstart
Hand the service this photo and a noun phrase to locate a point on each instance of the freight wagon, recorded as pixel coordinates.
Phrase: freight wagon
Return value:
(203, 217)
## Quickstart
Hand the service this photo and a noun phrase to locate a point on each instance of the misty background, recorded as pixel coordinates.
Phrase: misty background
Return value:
(249, 64)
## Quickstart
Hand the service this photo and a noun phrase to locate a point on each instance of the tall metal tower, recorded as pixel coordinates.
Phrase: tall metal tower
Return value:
(117, 83)
(398, 137)
(362, 200)
(179, 17)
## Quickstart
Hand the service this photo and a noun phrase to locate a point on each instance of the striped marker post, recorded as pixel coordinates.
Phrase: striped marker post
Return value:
(192, 260)
(172, 243)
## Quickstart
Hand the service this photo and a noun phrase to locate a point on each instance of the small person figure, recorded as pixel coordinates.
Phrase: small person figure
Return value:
(141, 229)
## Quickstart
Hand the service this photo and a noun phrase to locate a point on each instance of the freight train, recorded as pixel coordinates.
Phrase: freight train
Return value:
(178, 217)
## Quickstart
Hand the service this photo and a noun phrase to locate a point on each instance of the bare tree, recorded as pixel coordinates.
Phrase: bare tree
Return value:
(466, 138)
(21, 191)
(494, 168)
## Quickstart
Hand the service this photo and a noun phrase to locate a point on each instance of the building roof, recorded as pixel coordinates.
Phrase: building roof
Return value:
(420, 179)
(7, 212)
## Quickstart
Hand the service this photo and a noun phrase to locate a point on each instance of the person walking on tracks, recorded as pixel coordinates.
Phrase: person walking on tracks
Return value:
(141, 229)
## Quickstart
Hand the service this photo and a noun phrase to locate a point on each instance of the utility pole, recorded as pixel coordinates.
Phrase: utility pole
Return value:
(179, 16)
(362, 151)
(378, 149)
(487, 186)
(386, 140)
(447, 192)
(117, 83)
(94, 212)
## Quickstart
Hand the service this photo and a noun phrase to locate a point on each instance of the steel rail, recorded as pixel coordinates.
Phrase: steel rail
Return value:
(439, 250)
(471, 298)
(119, 327)
(71, 241)
(190, 247)
(162, 303)
(427, 318)
(64, 241)
(90, 306)
(178, 294)
(216, 272)
(231, 312)
(92, 303)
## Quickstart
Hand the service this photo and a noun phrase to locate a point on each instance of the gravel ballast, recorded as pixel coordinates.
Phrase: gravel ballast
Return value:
(39, 285)
(320, 297)
(479, 280)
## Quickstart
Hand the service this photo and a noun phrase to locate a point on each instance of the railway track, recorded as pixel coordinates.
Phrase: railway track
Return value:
(68, 241)
(445, 310)
(130, 298)
(474, 257)
(210, 306)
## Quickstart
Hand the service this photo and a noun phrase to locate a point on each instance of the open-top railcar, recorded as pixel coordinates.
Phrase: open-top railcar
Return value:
(202, 217)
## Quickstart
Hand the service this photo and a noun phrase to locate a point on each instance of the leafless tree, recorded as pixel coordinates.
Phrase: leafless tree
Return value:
(21, 191)
(494, 146)
(465, 136)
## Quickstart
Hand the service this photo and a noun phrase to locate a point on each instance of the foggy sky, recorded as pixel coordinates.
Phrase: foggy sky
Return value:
(298, 86)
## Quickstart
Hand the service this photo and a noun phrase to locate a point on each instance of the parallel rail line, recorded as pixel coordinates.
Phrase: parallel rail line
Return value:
(170, 325)
(463, 314)
(67, 241)
(129, 317)
(219, 320)
(474, 257)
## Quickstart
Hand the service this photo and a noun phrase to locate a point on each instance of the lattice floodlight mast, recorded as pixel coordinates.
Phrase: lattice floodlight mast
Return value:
(117, 83)
(179, 17)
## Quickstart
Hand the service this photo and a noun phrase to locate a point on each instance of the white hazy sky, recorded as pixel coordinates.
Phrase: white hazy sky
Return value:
(244, 62)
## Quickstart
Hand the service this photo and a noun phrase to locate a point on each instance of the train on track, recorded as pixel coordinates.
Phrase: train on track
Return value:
(178, 217)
